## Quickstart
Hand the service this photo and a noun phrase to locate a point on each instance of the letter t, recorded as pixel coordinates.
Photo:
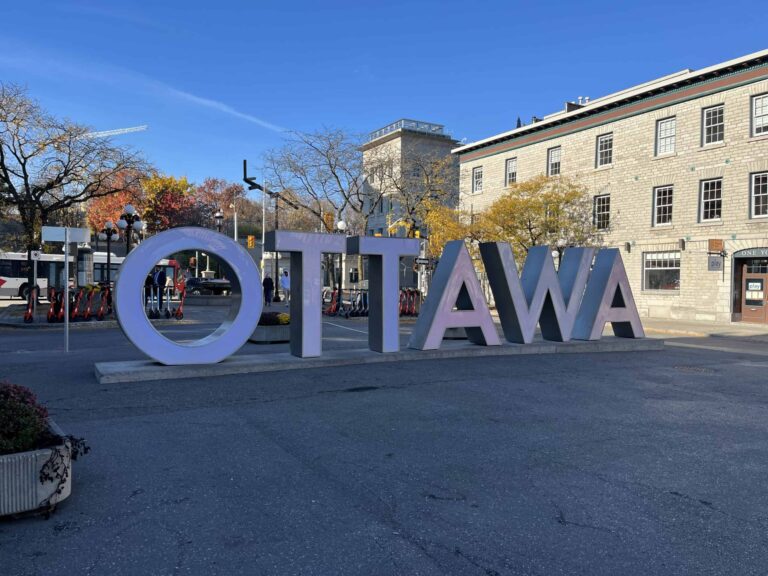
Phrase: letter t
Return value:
(384, 283)
(306, 284)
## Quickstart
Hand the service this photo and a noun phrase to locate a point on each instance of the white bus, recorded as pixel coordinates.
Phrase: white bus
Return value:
(14, 271)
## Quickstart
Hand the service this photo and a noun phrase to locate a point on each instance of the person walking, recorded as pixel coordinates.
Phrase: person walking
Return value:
(269, 288)
(285, 284)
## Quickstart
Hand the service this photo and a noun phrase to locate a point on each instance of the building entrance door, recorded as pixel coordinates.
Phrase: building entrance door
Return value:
(754, 293)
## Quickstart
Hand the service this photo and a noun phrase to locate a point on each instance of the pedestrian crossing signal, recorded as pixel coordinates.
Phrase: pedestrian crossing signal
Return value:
(251, 241)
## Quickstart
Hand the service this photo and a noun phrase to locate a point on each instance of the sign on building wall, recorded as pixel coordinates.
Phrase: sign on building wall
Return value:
(752, 253)
(714, 263)
(716, 245)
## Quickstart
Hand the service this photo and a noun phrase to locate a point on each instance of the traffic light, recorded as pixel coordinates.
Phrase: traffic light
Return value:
(251, 241)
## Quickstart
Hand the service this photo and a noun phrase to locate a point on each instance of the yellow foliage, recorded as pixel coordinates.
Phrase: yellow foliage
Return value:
(542, 211)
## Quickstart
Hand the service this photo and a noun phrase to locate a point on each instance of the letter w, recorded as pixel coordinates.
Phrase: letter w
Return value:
(540, 295)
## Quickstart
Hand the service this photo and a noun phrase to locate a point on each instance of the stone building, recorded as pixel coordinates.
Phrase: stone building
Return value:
(678, 171)
(401, 161)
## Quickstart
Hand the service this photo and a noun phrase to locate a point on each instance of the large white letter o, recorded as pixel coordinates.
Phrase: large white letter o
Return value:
(227, 338)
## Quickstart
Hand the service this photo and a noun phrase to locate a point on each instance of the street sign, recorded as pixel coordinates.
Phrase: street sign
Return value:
(35, 255)
(56, 234)
(714, 263)
(422, 261)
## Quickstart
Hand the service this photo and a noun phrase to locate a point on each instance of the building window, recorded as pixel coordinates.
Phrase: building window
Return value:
(665, 136)
(662, 205)
(604, 150)
(477, 180)
(760, 115)
(713, 125)
(510, 173)
(711, 201)
(661, 271)
(760, 195)
(602, 211)
(553, 161)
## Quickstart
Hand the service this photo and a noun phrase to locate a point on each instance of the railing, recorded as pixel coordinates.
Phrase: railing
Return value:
(415, 125)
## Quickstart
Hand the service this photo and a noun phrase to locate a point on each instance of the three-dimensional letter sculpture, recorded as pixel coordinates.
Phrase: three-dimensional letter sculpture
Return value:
(306, 279)
(454, 285)
(227, 338)
(608, 298)
(384, 286)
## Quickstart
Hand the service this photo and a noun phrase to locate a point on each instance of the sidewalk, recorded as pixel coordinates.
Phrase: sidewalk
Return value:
(692, 328)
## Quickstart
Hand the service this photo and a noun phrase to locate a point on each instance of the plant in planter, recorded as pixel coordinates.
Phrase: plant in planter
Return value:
(274, 319)
(35, 455)
(273, 328)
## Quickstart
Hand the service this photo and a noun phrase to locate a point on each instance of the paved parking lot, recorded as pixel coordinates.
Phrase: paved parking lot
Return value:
(640, 463)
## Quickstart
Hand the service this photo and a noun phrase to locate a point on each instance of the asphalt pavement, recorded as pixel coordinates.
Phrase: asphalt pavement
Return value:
(626, 463)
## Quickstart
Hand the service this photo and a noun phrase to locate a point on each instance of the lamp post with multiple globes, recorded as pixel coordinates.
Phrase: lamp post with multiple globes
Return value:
(109, 234)
(129, 223)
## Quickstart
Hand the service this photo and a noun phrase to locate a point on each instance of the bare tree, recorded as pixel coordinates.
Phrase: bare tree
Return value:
(414, 179)
(48, 165)
(322, 171)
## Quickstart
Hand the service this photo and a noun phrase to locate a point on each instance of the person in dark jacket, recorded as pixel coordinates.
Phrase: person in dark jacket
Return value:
(158, 282)
(269, 289)
(147, 288)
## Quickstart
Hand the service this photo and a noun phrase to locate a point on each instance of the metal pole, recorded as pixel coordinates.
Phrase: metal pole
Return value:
(275, 271)
(234, 208)
(197, 264)
(263, 220)
(109, 257)
(66, 289)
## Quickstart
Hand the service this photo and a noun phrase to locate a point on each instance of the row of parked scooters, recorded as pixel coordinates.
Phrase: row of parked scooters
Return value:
(158, 307)
(358, 303)
(86, 303)
(95, 302)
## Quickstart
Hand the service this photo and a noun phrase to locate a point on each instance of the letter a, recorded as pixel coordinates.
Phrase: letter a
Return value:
(608, 298)
(454, 285)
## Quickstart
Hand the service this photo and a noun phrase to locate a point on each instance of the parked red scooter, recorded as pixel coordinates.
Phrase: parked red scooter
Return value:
(29, 314)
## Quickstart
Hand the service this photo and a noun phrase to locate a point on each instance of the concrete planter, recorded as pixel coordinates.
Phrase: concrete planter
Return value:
(271, 334)
(20, 486)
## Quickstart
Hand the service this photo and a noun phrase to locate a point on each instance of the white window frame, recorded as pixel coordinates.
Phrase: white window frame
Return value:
(477, 180)
(666, 142)
(597, 203)
(551, 163)
(665, 261)
(599, 162)
(656, 205)
(704, 125)
(763, 176)
(759, 122)
(507, 163)
(703, 201)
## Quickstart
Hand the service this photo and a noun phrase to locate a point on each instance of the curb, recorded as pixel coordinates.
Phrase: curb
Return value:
(149, 370)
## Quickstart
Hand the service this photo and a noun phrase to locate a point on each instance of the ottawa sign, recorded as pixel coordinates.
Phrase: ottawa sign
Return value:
(589, 289)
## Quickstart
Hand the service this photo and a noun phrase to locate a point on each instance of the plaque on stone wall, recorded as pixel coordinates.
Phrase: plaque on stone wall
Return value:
(716, 245)
(714, 263)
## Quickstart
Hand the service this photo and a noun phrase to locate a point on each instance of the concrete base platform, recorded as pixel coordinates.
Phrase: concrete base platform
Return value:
(147, 370)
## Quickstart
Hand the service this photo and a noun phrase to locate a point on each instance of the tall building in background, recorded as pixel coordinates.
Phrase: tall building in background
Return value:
(678, 171)
(405, 163)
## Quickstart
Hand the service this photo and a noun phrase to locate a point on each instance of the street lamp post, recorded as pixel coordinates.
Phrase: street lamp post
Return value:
(219, 218)
(129, 222)
(109, 234)
(341, 226)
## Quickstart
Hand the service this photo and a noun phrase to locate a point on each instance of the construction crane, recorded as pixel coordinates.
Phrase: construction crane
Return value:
(117, 132)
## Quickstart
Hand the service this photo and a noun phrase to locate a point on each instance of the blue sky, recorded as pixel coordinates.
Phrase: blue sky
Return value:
(220, 81)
